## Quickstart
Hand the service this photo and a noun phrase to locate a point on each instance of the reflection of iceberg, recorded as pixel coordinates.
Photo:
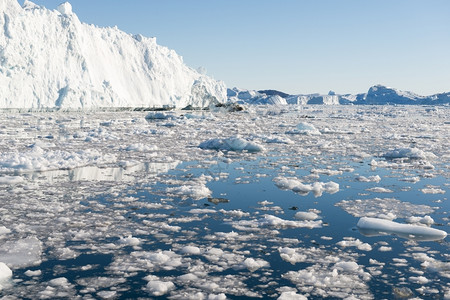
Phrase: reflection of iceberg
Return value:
(93, 173)
(375, 227)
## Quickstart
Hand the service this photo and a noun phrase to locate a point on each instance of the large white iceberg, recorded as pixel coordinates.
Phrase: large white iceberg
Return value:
(49, 59)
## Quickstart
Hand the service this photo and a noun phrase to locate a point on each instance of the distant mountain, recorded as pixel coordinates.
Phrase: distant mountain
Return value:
(49, 59)
(376, 95)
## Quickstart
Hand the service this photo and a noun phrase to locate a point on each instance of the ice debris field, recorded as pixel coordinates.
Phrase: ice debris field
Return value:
(274, 202)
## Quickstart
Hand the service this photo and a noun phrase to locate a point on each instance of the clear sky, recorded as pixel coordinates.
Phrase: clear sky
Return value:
(296, 46)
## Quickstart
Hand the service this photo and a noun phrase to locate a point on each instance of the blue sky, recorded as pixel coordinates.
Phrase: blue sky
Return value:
(295, 46)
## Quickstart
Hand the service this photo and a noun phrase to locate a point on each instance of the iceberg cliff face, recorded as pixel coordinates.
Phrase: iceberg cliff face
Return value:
(49, 59)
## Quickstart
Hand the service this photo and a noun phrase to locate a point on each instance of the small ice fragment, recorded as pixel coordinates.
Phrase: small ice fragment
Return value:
(159, 288)
(30, 273)
(107, 294)
(291, 296)
(4, 230)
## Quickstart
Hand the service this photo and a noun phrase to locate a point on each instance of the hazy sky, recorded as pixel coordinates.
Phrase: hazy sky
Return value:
(295, 46)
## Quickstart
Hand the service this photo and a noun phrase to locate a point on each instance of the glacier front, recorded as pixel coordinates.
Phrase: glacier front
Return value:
(51, 60)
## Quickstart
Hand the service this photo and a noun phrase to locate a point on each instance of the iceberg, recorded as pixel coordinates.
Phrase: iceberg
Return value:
(50, 60)
(375, 227)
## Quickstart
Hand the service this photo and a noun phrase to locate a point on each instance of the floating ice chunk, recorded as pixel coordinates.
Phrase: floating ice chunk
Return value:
(4, 230)
(254, 264)
(191, 250)
(21, 253)
(303, 215)
(188, 277)
(432, 190)
(273, 221)
(231, 144)
(411, 153)
(141, 148)
(291, 255)
(61, 281)
(30, 273)
(419, 279)
(159, 288)
(220, 296)
(129, 241)
(379, 189)
(433, 265)
(39, 159)
(385, 249)
(347, 266)
(375, 178)
(195, 192)
(328, 172)
(107, 294)
(427, 220)
(278, 140)
(159, 116)
(374, 227)
(5, 272)
(291, 296)
(305, 128)
(202, 211)
(385, 208)
(10, 180)
(294, 184)
(355, 243)
(5, 276)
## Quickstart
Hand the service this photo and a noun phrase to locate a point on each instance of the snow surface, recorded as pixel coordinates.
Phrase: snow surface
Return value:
(49, 59)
